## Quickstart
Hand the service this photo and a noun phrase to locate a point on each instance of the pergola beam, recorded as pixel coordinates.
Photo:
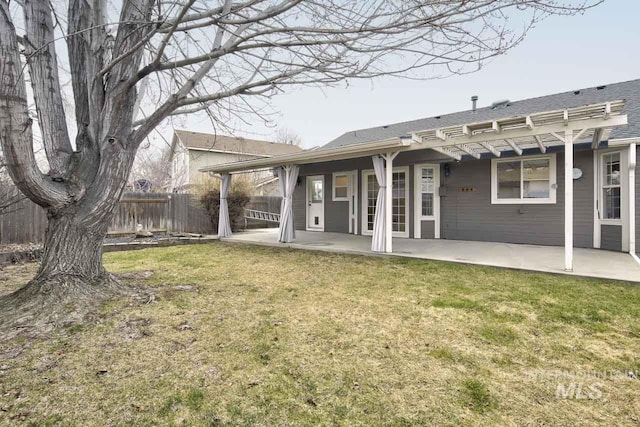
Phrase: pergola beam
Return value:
(524, 132)
(597, 138)
(543, 149)
(448, 152)
(470, 151)
(514, 146)
(529, 122)
(490, 148)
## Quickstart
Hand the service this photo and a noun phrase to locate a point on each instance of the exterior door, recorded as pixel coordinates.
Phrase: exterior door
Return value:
(426, 201)
(611, 217)
(315, 203)
(399, 201)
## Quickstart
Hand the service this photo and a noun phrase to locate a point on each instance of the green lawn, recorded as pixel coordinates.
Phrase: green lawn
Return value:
(245, 335)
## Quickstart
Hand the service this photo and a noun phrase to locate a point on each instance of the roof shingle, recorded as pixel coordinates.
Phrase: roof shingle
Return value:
(628, 91)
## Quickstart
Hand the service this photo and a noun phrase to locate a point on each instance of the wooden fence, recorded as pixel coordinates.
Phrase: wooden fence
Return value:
(26, 222)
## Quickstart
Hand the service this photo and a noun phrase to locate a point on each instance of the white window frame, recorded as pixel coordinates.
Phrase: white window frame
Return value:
(335, 198)
(417, 201)
(601, 186)
(553, 185)
(364, 223)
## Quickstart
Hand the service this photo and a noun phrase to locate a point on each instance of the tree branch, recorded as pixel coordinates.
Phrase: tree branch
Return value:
(43, 71)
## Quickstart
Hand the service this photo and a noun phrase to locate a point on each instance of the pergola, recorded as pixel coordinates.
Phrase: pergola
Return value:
(541, 131)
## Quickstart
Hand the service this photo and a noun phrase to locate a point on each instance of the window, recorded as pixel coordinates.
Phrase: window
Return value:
(340, 187)
(611, 186)
(427, 188)
(523, 180)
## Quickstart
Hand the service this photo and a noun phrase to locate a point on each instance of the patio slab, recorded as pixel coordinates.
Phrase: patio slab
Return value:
(587, 262)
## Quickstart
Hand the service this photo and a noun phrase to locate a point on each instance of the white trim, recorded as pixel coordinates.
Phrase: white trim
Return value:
(324, 195)
(417, 200)
(632, 199)
(568, 200)
(623, 141)
(524, 201)
(597, 236)
(364, 206)
(314, 155)
(353, 202)
(333, 187)
(238, 153)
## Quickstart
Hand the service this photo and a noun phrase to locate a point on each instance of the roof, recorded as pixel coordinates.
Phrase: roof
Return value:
(628, 91)
(230, 144)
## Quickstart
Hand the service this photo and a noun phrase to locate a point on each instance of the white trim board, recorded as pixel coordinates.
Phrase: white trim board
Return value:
(553, 182)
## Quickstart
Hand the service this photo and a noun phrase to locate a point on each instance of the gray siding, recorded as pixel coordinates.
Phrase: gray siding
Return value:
(471, 216)
(427, 229)
(336, 214)
(611, 237)
(299, 204)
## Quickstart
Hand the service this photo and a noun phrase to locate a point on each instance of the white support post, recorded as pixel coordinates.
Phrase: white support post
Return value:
(632, 198)
(388, 218)
(568, 200)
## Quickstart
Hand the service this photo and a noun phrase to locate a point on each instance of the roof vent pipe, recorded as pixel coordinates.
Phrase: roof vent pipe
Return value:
(474, 102)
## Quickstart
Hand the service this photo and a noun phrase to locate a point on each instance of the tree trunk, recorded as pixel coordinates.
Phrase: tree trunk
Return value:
(73, 248)
(72, 281)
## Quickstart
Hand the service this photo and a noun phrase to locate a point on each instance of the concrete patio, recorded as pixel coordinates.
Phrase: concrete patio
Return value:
(587, 262)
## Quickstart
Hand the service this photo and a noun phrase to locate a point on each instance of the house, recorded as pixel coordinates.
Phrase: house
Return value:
(193, 150)
(556, 170)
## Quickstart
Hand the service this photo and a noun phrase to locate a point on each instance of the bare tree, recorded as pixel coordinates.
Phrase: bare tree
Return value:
(9, 193)
(288, 136)
(154, 167)
(173, 57)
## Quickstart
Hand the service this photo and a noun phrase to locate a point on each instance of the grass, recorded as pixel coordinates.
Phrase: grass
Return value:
(246, 335)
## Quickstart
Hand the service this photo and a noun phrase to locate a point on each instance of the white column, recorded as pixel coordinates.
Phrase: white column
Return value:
(388, 218)
(568, 200)
(632, 198)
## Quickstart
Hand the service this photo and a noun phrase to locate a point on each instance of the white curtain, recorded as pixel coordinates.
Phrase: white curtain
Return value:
(288, 178)
(378, 240)
(224, 225)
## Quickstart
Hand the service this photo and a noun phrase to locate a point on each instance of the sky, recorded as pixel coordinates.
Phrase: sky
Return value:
(560, 54)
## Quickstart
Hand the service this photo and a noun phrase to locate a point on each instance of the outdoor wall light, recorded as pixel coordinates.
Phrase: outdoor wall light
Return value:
(447, 169)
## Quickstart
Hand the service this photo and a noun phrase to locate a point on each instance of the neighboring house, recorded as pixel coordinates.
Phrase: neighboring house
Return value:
(192, 150)
(499, 173)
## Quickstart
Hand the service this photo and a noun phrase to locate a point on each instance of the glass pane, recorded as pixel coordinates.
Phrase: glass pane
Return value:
(427, 204)
(508, 180)
(342, 180)
(427, 183)
(372, 197)
(612, 169)
(611, 203)
(535, 176)
(341, 185)
(399, 216)
(316, 191)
